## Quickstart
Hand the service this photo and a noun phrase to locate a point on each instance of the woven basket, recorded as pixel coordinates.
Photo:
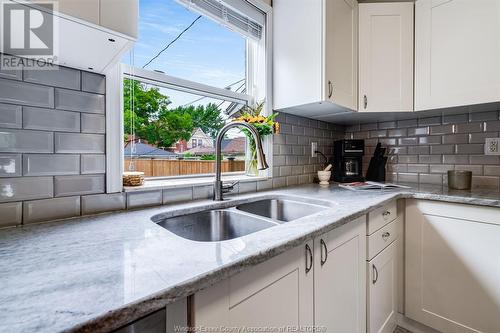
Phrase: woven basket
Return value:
(133, 178)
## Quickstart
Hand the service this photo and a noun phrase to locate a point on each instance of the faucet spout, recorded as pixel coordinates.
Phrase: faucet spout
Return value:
(261, 157)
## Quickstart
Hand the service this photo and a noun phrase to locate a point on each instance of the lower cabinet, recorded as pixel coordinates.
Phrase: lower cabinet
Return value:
(340, 279)
(275, 293)
(320, 283)
(453, 266)
(382, 290)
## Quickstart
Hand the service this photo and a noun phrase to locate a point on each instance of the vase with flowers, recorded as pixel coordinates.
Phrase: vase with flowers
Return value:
(264, 125)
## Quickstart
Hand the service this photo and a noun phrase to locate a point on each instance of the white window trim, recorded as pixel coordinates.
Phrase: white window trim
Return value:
(114, 104)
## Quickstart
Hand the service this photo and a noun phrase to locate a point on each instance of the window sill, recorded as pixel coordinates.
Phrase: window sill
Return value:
(160, 184)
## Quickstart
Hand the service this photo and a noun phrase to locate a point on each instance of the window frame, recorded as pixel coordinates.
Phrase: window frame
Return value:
(114, 100)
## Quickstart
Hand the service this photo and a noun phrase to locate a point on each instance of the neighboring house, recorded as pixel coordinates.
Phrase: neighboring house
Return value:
(230, 147)
(200, 139)
(147, 151)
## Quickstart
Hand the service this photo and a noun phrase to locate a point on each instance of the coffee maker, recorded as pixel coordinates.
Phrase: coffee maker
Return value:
(348, 161)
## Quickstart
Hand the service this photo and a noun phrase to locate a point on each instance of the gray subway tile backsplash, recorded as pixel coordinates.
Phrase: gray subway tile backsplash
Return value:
(26, 141)
(78, 185)
(73, 100)
(10, 116)
(79, 143)
(434, 145)
(100, 203)
(94, 83)
(50, 164)
(50, 209)
(10, 165)
(11, 213)
(26, 188)
(92, 164)
(93, 123)
(21, 93)
(144, 199)
(51, 120)
(62, 77)
(31, 125)
(173, 195)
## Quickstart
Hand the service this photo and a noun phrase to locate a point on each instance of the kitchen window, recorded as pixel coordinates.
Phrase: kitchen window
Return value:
(194, 66)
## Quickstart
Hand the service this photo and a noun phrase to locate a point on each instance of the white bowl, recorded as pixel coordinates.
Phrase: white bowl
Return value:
(324, 177)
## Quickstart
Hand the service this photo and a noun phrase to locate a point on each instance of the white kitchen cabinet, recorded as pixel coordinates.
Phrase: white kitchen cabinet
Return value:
(117, 15)
(386, 57)
(324, 285)
(275, 293)
(87, 10)
(453, 266)
(315, 56)
(457, 52)
(382, 291)
(120, 15)
(340, 279)
(81, 42)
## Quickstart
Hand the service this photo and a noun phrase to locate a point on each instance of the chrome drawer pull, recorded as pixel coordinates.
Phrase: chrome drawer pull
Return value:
(309, 255)
(323, 246)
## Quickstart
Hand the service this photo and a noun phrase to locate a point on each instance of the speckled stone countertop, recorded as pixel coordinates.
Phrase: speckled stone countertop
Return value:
(96, 274)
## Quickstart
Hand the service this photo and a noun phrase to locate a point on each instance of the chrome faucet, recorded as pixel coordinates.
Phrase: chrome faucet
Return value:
(219, 187)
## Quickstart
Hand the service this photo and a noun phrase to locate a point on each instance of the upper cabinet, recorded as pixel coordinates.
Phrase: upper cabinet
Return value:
(457, 53)
(315, 55)
(117, 15)
(92, 34)
(386, 57)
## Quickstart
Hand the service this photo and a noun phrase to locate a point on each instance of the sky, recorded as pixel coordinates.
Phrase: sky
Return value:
(207, 53)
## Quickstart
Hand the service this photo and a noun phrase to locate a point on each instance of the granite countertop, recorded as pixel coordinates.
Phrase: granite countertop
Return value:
(98, 273)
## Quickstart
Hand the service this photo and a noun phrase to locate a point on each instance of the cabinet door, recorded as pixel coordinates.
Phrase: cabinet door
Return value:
(382, 290)
(453, 267)
(341, 52)
(457, 53)
(87, 10)
(340, 279)
(120, 15)
(297, 56)
(386, 57)
(276, 293)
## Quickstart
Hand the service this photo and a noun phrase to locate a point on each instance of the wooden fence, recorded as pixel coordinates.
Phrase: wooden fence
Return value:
(165, 168)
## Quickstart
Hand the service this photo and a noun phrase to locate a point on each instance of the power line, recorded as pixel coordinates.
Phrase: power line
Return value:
(173, 41)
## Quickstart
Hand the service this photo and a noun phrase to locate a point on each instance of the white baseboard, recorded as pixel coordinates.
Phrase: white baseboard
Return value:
(412, 325)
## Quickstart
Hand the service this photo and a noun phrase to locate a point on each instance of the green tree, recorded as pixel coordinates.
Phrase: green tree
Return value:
(147, 114)
(207, 117)
(152, 120)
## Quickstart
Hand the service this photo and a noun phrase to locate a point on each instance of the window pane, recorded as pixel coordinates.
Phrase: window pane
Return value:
(207, 52)
(172, 133)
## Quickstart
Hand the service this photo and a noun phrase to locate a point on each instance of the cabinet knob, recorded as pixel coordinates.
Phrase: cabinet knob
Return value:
(386, 213)
(386, 235)
(330, 89)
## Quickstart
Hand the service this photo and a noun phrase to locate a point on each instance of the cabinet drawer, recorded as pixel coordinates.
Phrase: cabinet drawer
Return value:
(381, 238)
(381, 216)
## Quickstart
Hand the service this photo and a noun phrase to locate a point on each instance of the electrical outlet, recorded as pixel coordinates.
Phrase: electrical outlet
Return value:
(314, 148)
(492, 146)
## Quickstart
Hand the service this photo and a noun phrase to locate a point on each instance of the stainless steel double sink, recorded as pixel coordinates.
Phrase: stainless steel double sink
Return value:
(223, 224)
